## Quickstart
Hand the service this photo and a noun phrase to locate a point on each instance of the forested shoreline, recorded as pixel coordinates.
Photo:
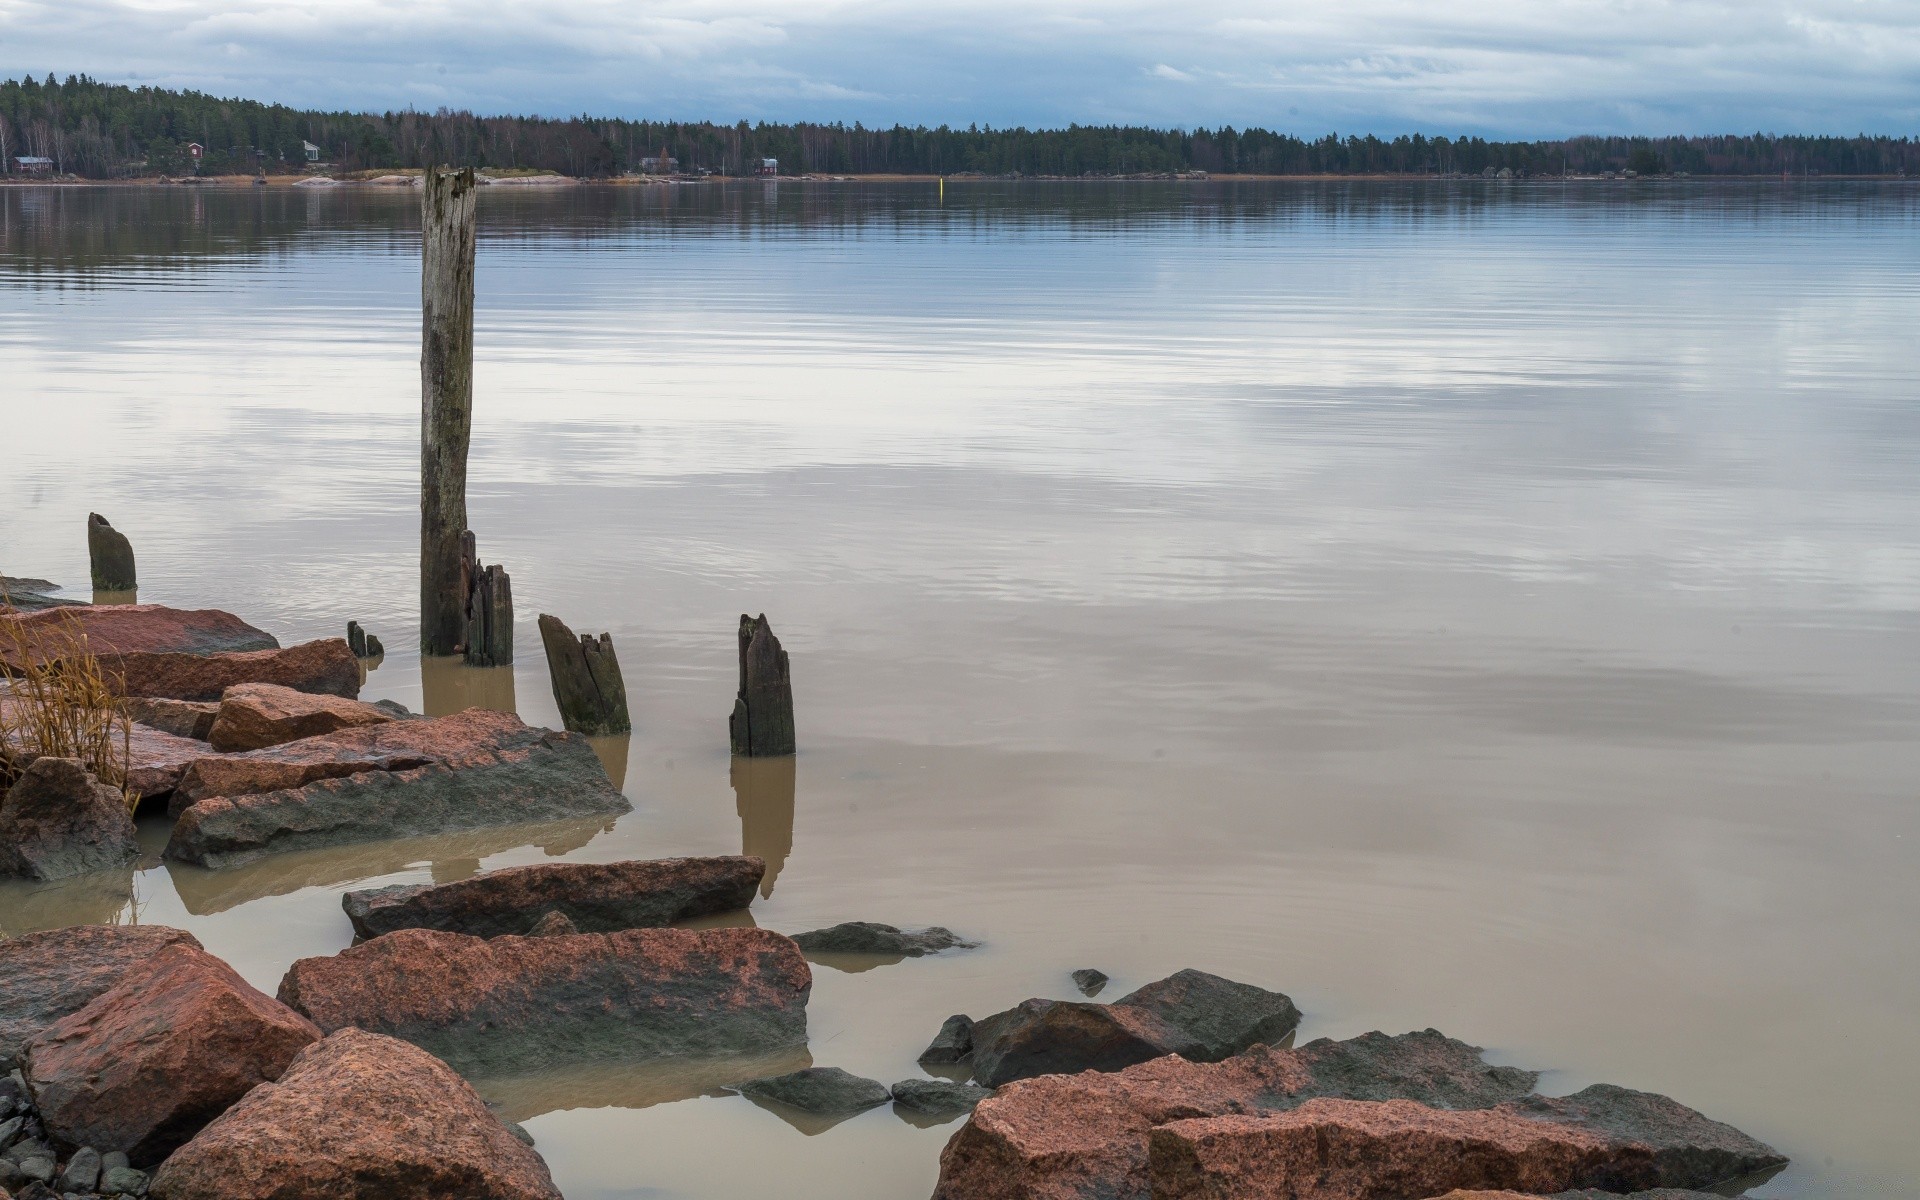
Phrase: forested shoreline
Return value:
(101, 130)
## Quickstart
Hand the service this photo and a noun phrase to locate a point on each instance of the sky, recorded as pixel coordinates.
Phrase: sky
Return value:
(1499, 68)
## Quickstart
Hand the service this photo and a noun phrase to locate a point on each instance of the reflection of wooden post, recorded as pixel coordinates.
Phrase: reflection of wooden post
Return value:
(762, 721)
(586, 679)
(447, 219)
(489, 609)
(112, 556)
(763, 795)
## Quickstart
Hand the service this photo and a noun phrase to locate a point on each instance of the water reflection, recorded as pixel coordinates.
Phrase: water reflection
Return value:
(763, 794)
(116, 596)
(448, 685)
(612, 751)
(619, 1084)
(104, 898)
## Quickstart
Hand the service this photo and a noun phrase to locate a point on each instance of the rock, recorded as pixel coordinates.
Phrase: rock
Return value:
(45, 976)
(868, 937)
(1224, 1016)
(124, 1181)
(586, 680)
(83, 1171)
(1370, 1150)
(953, 1043)
(823, 1091)
(480, 768)
(1062, 1137)
(595, 897)
(31, 595)
(151, 1060)
(156, 760)
(1198, 1016)
(505, 1004)
(326, 667)
(554, 924)
(117, 630)
(253, 716)
(1585, 1194)
(58, 821)
(762, 721)
(112, 1159)
(1089, 980)
(111, 555)
(938, 1095)
(1688, 1149)
(38, 1168)
(10, 1177)
(357, 1115)
(36, 1190)
(180, 718)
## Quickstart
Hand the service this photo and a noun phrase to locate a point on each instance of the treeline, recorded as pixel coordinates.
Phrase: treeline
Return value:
(100, 130)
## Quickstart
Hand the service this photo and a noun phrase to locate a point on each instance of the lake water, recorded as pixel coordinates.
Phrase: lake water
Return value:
(1487, 607)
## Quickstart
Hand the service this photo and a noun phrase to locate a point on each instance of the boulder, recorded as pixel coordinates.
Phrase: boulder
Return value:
(123, 1181)
(1688, 1149)
(938, 1095)
(357, 1115)
(181, 718)
(45, 976)
(123, 629)
(1381, 1150)
(147, 1063)
(475, 768)
(325, 666)
(82, 1172)
(58, 821)
(595, 897)
(1198, 1016)
(1062, 1137)
(156, 760)
(953, 1043)
(869, 937)
(1089, 981)
(253, 716)
(501, 1005)
(1584, 1194)
(822, 1091)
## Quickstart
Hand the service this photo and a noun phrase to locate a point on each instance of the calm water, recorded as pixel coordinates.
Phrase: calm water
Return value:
(1490, 608)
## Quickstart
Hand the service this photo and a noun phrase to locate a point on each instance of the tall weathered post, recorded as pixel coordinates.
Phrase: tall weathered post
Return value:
(586, 679)
(111, 555)
(762, 723)
(448, 204)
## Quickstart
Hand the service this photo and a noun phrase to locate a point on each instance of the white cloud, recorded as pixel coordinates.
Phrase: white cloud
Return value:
(1520, 67)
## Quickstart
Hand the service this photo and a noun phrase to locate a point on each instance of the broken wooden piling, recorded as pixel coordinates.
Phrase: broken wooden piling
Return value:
(448, 204)
(112, 556)
(489, 609)
(586, 679)
(762, 722)
(362, 643)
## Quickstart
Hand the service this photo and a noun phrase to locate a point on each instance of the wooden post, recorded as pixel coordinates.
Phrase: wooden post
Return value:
(762, 723)
(488, 612)
(586, 680)
(112, 556)
(447, 219)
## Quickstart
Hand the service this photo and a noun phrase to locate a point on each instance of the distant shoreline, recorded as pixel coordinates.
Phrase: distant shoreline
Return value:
(403, 178)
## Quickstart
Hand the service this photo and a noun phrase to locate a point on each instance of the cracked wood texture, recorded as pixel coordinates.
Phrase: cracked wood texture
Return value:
(762, 723)
(488, 640)
(447, 218)
(586, 679)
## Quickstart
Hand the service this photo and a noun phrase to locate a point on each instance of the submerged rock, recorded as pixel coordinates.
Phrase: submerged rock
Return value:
(823, 1091)
(475, 768)
(1225, 1017)
(938, 1095)
(953, 1043)
(870, 937)
(152, 1059)
(253, 716)
(326, 667)
(357, 1115)
(58, 821)
(1688, 1150)
(595, 897)
(45, 976)
(1089, 980)
(496, 1006)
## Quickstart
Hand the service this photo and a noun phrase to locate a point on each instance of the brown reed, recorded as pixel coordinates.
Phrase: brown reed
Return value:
(60, 702)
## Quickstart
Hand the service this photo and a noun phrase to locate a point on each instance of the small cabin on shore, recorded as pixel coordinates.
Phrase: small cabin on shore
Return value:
(768, 166)
(33, 164)
(312, 151)
(659, 164)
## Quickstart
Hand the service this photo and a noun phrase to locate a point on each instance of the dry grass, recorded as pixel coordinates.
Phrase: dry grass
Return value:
(62, 703)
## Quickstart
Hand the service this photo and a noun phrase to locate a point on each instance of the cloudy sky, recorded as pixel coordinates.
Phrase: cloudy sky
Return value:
(1497, 67)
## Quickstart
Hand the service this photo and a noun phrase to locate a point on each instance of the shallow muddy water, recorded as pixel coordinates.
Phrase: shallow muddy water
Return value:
(1483, 607)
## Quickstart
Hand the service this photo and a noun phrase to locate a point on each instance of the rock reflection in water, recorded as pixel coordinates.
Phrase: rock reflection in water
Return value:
(449, 685)
(763, 793)
(105, 898)
(116, 596)
(612, 749)
(622, 1084)
(449, 858)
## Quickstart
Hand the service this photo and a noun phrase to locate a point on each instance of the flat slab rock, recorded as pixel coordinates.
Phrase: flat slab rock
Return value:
(48, 975)
(119, 629)
(357, 1115)
(592, 897)
(503, 1005)
(253, 716)
(181, 718)
(824, 1091)
(154, 1058)
(1063, 1137)
(465, 771)
(871, 937)
(1198, 1016)
(326, 666)
(157, 759)
(937, 1096)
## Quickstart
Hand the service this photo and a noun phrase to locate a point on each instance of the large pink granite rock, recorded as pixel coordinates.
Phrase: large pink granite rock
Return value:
(253, 716)
(324, 666)
(47, 975)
